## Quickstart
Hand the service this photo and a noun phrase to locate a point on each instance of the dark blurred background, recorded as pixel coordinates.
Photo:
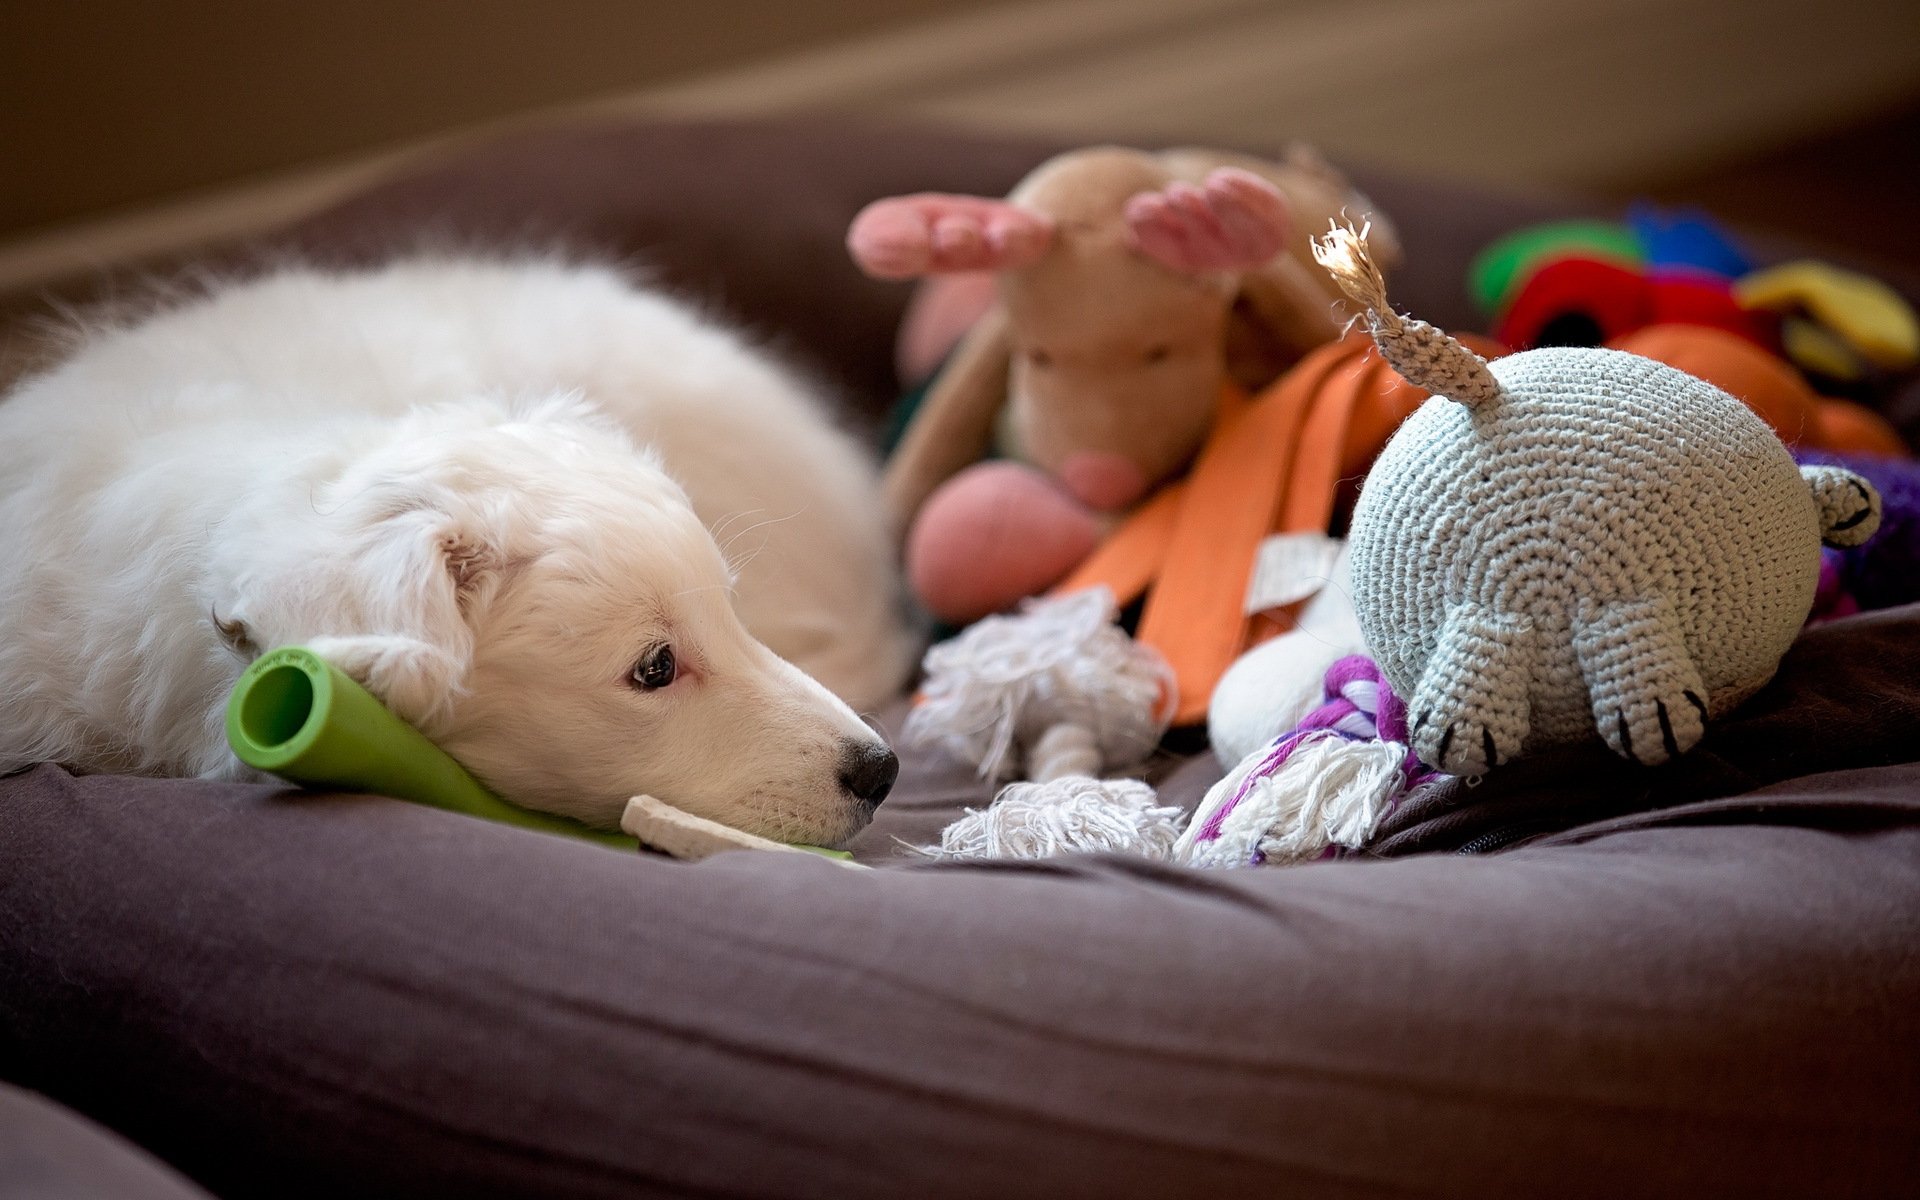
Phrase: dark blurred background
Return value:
(129, 128)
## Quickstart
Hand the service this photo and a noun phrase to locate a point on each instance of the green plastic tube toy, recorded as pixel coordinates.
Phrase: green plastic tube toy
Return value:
(295, 715)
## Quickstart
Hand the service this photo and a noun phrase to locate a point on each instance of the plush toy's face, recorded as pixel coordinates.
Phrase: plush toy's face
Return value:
(1116, 370)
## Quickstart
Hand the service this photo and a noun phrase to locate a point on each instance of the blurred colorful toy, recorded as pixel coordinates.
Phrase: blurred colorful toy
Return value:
(1835, 323)
(1593, 283)
(1685, 239)
(1652, 241)
(1797, 414)
(1499, 269)
(1581, 301)
(1588, 282)
(1584, 283)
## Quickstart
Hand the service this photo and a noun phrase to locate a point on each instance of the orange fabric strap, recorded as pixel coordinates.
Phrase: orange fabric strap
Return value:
(1272, 464)
(1313, 478)
(1195, 612)
(1128, 561)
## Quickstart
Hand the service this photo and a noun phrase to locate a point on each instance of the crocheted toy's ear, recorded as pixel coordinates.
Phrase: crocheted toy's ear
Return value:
(1849, 505)
(1425, 356)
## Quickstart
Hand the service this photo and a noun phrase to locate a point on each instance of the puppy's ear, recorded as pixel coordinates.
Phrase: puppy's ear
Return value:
(410, 585)
(415, 679)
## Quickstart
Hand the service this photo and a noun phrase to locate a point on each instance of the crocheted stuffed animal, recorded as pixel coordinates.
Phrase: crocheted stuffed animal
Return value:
(1568, 540)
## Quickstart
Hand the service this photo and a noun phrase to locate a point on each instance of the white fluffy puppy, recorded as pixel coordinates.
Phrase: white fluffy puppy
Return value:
(457, 481)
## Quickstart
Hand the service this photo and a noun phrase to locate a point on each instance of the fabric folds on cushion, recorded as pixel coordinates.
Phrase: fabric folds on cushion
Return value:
(290, 996)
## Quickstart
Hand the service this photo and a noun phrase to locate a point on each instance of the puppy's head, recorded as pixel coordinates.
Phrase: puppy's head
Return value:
(540, 599)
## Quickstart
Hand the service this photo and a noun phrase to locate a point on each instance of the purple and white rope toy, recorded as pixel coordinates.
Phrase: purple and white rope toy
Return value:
(1320, 787)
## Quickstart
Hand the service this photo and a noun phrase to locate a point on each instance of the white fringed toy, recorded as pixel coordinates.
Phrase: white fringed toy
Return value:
(1296, 721)
(1059, 693)
(1067, 815)
(1322, 785)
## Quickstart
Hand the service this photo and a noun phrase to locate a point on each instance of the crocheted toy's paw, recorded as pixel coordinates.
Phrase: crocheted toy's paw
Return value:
(1651, 727)
(1649, 703)
(1466, 737)
(1470, 712)
(1233, 222)
(1849, 505)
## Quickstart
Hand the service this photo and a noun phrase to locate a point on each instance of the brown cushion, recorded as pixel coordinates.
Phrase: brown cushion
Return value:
(291, 996)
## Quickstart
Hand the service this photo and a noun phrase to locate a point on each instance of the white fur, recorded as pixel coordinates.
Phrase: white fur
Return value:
(455, 479)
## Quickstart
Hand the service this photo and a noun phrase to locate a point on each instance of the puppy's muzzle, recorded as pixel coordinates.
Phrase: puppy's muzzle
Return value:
(867, 771)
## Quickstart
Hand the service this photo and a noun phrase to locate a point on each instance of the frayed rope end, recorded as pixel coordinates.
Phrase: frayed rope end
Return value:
(1071, 815)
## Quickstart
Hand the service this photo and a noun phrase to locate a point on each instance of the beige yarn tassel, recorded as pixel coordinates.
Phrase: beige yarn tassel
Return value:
(1424, 355)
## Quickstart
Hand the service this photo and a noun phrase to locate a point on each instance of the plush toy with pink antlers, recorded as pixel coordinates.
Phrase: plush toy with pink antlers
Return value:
(1133, 290)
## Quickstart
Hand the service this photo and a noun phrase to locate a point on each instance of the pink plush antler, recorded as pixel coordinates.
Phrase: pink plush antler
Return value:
(1234, 222)
(902, 237)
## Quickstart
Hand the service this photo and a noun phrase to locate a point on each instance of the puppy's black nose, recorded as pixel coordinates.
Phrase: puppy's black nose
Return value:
(867, 771)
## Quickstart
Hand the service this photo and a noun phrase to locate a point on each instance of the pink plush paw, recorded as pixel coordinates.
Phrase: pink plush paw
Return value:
(1235, 221)
(903, 237)
(990, 537)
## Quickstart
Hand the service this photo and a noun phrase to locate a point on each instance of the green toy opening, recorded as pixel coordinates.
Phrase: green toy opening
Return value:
(277, 706)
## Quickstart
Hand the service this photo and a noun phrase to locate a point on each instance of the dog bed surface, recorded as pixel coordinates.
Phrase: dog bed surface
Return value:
(289, 996)
(1701, 980)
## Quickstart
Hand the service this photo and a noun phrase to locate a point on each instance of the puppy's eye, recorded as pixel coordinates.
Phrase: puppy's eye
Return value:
(1158, 354)
(656, 670)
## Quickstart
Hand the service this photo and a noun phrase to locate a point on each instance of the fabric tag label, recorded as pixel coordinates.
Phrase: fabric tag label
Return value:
(1289, 567)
